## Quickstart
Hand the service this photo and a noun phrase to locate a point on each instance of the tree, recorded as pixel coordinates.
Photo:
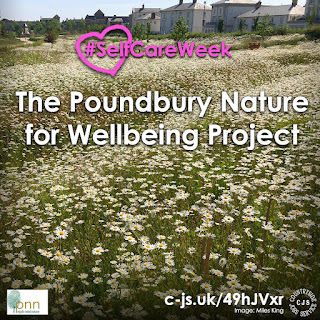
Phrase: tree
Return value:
(264, 27)
(70, 26)
(2, 28)
(50, 37)
(180, 30)
(220, 25)
(15, 27)
(241, 25)
(312, 18)
(54, 26)
(82, 26)
(138, 31)
(148, 30)
(255, 23)
(40, 28)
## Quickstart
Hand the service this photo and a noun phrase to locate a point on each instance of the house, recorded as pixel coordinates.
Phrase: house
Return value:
(313, 6)
(278, 15)
(227, 10)
(97, 18)
(153, 19)
(56, 17)
(140, 13)
(123, 20)
(194, 13)
(100, 19)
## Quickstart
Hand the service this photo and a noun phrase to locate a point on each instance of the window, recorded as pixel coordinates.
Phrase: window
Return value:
(214, 11)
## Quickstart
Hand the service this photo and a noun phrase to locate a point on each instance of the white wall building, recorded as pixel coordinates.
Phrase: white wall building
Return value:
(194, 13)
(140, 13)
(313, 6)
(227, 10)
(279, 15)
(154, 20)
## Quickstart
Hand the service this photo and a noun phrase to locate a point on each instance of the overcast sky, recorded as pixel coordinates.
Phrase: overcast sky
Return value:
(34, 9)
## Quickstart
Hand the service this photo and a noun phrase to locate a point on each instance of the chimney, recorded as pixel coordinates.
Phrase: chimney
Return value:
(142, 6)
(294, 3)
(180, 2)
(194, 1)
(258, 4)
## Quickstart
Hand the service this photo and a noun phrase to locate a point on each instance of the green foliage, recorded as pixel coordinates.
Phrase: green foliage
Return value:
(255, 23)
(199, 35)
(281, 30)
(139, 31)
(2, 28)
(312, 18)
(70, 26)
(180, 30)
(16, 28)
(297, 58)
(82, 26)
(220, 25)
(96, 27)
(43, 27)
(313, 33)
(40, 28)
(264, 27)
(241, 25)
(148, 30)
(9, 41)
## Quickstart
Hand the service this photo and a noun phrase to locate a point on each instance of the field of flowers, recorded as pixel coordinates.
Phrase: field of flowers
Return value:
(111, 231)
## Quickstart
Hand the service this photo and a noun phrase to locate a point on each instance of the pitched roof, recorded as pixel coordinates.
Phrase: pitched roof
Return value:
(149, 16)
(145, 10)
(283, 10)
(187, 6)
(234, 2)
(99, 12)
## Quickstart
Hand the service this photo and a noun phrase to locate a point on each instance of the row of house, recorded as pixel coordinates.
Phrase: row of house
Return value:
(100, 18)
(203, 18)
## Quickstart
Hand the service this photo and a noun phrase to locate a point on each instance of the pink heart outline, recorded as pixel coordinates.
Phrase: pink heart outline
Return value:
(101, 36)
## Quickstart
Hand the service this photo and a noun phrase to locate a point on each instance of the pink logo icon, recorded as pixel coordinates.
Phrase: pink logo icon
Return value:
(101, 36)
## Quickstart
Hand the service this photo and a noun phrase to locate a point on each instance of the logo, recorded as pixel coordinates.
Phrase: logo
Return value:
(303, 303)
(93, 48)
(90, 48)
(27, 302)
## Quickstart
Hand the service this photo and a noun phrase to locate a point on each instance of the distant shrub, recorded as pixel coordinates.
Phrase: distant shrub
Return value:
(313, 33)
(159, 36)
(199, 35)
(281, 30)
(50, 37)
(35, 39)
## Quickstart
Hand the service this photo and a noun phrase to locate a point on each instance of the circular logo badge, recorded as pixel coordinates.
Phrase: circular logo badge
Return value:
(302, 303)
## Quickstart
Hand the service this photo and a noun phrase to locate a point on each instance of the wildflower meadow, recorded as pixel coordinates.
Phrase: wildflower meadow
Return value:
(111, 231)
